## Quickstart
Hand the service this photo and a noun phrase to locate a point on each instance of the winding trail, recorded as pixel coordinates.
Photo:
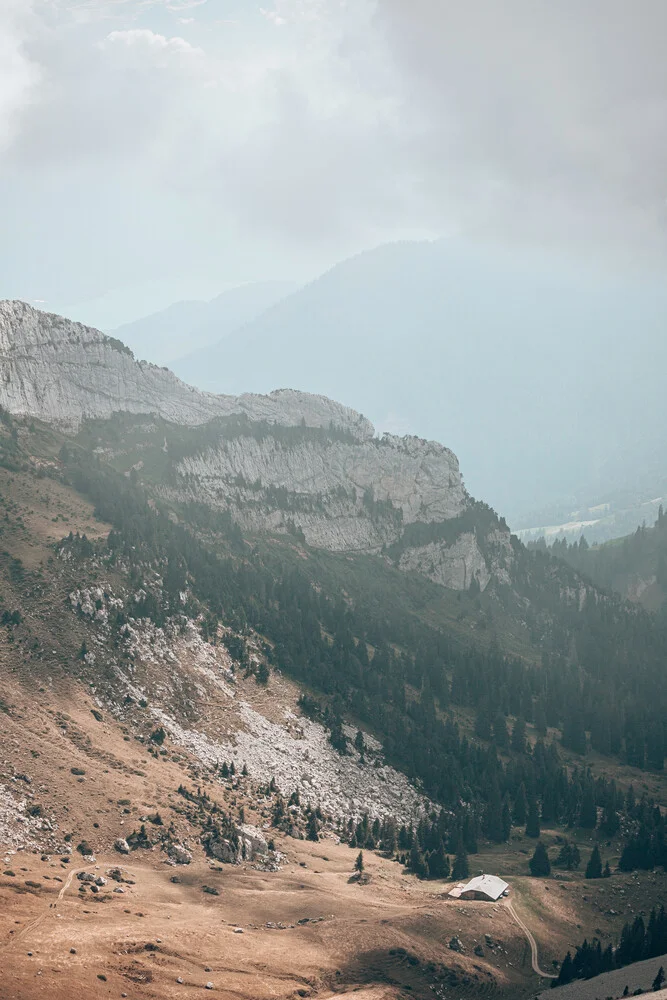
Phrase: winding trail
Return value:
(532, 942)
(42, 916)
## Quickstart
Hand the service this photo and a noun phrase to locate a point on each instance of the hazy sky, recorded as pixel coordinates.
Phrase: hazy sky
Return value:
(151, 150)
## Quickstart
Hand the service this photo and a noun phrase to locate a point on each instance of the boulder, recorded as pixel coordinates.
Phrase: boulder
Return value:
(179, 854)
(456, 944)
(122, 846)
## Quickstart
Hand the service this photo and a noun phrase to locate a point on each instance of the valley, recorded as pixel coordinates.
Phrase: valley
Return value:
(241, 643)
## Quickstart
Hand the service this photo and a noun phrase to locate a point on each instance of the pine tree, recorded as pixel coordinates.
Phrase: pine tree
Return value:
(659, 980)
(506, 819)
(460, 869)
(540, 865)
(313, 828)
(567, 972)
(607, 871)
(418, 861)
(520, 806)
(359, 744)
(533, 820)
(594, 866)
(493, 820)
(359, 863)
(588, 815)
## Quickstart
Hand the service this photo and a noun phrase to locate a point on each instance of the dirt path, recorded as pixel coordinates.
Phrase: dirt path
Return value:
(46, 913)
(532, 942)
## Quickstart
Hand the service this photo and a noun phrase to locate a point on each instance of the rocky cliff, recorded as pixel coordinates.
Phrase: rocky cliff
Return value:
(63, 372)
(285, 462)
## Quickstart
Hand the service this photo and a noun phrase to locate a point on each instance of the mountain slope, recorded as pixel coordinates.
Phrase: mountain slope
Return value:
(635, 566)
(539, 376)
(166, 335)
(321, 473)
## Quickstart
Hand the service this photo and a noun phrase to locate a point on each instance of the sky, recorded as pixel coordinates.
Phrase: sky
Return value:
(152, 151)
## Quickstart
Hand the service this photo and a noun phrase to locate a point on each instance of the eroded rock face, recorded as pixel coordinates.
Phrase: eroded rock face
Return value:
(344, 495)
(61, 371)
(344, 491)
(179, 854)
(248, 844)
(462, 564)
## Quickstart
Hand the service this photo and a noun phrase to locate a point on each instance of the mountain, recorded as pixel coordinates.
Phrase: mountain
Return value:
(546, 378)
(62, 372)
(164, 336)
(634, 566)
(327, 477)
(242, 640)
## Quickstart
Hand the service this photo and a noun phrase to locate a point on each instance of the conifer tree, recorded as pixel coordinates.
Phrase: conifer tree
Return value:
(460, 869)
(659, 980)
(313, 828)
(520, 806)
(359, 863)
(506, 819)
(594, 866)
(533, 820)
(540, 865)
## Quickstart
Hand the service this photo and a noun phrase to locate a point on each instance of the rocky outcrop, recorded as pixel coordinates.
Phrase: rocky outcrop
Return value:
(61, 371)
(297, 463)
(344, 495)
(247, 843)
(462, 564)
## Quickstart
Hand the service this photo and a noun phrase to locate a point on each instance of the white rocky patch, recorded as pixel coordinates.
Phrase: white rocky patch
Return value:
(298, 755)
(19, 830)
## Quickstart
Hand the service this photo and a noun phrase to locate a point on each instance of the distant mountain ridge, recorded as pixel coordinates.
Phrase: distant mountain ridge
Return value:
(186, 326)
(540, 377)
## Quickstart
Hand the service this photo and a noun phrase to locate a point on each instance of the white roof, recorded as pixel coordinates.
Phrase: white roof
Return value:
(490, 885)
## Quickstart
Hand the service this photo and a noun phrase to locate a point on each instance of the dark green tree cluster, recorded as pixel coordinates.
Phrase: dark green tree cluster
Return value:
(638, 941)
(395, 673)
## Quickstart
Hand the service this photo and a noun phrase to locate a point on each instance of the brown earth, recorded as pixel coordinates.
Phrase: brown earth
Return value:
(385, 939)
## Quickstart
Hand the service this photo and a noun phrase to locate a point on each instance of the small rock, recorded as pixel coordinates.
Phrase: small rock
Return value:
(72, 951)
(179, 981)
(100, 975)
(238, 930)
(209, 986)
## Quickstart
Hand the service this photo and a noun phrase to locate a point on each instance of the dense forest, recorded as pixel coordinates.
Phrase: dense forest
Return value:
(599, 678)
(614, 565)
(638, 941)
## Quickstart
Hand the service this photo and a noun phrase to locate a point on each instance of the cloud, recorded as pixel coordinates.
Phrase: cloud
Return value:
(354, 123)
(144, 38)
(545, 121)
(19, 73)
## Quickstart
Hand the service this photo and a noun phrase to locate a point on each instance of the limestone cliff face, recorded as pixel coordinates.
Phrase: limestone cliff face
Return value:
(62, 372)
(338, 486)
(342, 494)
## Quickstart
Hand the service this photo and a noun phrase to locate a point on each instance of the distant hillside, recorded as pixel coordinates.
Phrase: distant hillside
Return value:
(635, 566)
(547, 383)
(186, 326)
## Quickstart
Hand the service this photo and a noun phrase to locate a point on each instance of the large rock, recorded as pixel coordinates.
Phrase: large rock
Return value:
(247, 844)
(179, 854)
